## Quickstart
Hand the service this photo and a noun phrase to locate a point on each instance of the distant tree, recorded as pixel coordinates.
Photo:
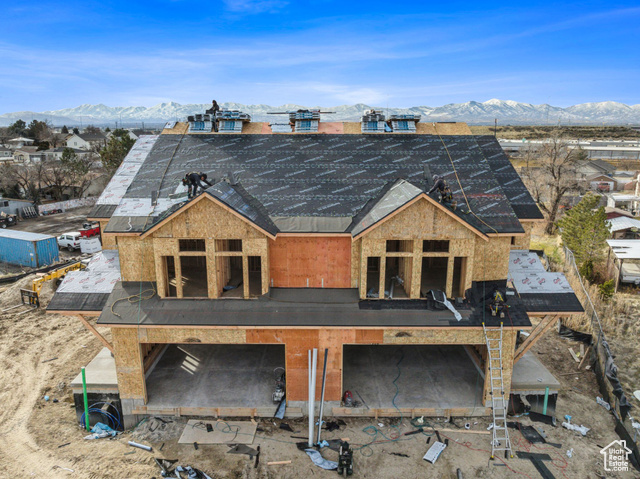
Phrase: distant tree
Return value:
(551, 174)
(115, 151)
(107, 130)
(55, 140)
(64, 130)
(43, 145)
(75, 130)
(18, 128)
(92, 129)
(69, 176)
(584, 231)
(39, 130)
(5, 135)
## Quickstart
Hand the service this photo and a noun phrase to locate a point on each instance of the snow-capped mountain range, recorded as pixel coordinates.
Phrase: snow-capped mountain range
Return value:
(473, 112)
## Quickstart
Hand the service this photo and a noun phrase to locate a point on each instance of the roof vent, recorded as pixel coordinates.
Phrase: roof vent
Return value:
(373, 122)
(404, 123)
(302, 121)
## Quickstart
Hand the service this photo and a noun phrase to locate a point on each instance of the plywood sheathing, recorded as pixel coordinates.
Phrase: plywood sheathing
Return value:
(137, 262)
(108, 240)
(454, 128)
(209, 221)
(256, 128)
(421, 221)
(180, 128)
(193, 335)
(313, 261)
(353, 128)
(523, 242)
(129, 363)
(491, 259)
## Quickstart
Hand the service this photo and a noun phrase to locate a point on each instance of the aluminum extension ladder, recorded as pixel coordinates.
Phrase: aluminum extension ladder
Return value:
(500, 440)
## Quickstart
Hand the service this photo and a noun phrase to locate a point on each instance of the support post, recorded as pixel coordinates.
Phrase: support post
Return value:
(324, 379)
(86, 400)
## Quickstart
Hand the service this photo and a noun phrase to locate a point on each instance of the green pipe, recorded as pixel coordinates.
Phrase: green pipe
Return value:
(86, 401)
(546, 400)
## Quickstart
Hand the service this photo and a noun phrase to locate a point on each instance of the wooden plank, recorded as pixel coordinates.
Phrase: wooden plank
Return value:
(277, 463)
(465, 431)
(90, 327)
(536, 334)
(584, 357)
(574, 355)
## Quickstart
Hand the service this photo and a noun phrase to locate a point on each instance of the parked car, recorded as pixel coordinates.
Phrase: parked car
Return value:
(71, 240)
(7, 220)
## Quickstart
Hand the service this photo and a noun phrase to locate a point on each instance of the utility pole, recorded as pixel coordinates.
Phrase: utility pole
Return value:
(495, 128)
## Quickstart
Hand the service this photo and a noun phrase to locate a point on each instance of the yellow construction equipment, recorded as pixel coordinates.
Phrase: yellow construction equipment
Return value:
(32, 296)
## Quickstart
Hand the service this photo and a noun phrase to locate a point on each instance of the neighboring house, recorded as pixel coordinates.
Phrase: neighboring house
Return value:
(131, 134)
(628, 202)
(6, 154)
(588, 169)
(56, 153)
(20, 142)
(13, 206)
(315, 240)
(624, 227)
(624, 178)
(86, 141)
(616, 212)
(28, 154)
(601, 183)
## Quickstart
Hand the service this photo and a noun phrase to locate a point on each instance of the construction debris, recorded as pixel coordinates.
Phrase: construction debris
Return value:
(537, 460)
(320, 461)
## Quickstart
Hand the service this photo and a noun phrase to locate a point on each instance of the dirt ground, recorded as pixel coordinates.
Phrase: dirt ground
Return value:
(33, 432)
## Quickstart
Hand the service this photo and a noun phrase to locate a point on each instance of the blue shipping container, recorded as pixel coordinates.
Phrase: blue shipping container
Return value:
(27, 249)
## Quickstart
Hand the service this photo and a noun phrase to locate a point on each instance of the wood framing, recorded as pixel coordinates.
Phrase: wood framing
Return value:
(534, 336)
(97, 334)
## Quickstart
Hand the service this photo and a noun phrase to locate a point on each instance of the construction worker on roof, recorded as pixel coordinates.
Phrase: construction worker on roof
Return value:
(498, 303)
(215, 108)
(193, 180)
(446, 197)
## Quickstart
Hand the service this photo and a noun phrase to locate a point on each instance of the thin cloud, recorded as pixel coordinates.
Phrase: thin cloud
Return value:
(253, 7)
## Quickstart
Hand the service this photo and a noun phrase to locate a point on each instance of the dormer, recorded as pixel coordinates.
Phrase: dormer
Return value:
(404, 123)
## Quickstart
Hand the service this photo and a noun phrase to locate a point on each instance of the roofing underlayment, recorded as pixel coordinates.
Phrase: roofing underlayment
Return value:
(329, 177)
(540, 290)
(88, 289)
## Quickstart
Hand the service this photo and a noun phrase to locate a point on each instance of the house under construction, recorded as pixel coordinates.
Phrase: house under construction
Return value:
(320, 235)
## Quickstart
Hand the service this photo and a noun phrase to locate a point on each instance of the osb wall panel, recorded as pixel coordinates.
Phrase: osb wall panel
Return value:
(298, 262)
(193, 335)
(491, 259)
(356, 279)
(421, 221)
(129, 363)
(207, 219)
(433, 336)
(456, 128)
(137, 262)
(523, 242)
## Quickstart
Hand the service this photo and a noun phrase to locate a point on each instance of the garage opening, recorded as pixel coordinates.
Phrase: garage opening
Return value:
(215, 375)
(194, 276)
(230, 278)
(425, 376)
(255, 275)
(397, 277)
(434, 274)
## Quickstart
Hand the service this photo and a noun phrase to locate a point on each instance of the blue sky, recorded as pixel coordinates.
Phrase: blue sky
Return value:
(320, 52)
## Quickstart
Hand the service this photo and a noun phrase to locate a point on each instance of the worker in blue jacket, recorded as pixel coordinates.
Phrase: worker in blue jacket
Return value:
(194, 180)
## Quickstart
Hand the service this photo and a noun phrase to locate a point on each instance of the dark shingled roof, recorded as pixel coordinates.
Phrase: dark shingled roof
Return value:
(88, 302)
(102, 211)
(521, 201)
(325, 175)
(288, 307)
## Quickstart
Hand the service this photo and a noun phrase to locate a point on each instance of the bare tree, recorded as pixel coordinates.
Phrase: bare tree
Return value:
(28, 178)
(70, 175)
(551, 174)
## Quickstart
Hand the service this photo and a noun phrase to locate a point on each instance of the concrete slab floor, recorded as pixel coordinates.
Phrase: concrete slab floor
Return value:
(429, 376)
(199, 375)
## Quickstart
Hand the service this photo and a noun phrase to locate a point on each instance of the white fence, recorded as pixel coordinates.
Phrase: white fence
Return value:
(67, 205)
